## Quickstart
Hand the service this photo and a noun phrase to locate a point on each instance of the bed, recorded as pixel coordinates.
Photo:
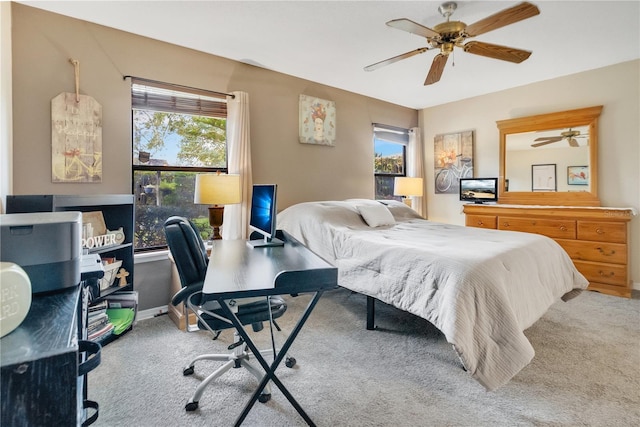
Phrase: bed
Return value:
(481, 288)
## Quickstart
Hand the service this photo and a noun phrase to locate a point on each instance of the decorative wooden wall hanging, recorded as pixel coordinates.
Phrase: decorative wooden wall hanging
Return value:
(76, 136)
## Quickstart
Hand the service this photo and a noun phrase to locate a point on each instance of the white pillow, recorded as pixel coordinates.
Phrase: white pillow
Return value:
(376, 215)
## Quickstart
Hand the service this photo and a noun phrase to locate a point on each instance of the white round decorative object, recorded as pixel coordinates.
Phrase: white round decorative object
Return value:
(15, 296)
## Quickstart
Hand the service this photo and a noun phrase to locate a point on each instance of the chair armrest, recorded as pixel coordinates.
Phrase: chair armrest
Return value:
(184, 293)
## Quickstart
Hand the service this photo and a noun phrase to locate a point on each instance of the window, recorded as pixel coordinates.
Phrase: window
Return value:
(390, 156)
(177, 132)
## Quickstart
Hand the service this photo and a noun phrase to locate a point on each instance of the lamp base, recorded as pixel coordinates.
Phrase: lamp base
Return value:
(215, 220)
(407, 201)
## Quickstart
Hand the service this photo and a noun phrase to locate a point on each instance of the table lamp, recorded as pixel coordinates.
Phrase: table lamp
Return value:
(407, 187)
(217, 190)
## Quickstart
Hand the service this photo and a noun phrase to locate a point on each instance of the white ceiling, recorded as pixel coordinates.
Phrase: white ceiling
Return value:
(331, 41)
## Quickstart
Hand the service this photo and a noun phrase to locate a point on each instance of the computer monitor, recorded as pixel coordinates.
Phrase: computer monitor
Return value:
(263, 215)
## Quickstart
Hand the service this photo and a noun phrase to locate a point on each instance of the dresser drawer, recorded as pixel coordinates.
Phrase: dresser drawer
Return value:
(481, 221)
(556, 228)
(612, 253)
(611, 274)
(602, 231)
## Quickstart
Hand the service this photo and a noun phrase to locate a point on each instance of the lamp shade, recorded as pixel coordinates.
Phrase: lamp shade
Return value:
(217, 189)
(405, 186)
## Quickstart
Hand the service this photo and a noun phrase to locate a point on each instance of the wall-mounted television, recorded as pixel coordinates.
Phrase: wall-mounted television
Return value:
(263, 215)
(479, 190)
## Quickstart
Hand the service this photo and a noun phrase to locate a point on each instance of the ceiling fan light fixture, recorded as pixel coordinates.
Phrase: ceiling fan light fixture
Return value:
(446, 9)
(447, 48)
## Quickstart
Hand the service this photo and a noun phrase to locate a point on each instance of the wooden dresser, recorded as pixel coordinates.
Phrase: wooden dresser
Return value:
(596, 238)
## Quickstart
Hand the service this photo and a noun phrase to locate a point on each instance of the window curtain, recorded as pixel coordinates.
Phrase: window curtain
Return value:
(415, 167)
(236, 217)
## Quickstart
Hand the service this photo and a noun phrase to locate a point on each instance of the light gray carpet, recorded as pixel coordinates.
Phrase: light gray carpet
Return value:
(586, 372)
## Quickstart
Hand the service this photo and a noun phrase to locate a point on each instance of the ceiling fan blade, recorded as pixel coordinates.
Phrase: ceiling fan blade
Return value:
(573, 143)
(395, 59)
(413, 28)
(540, 144)
(508, 16)
(549, 138)
(437, 67)
(495, 51)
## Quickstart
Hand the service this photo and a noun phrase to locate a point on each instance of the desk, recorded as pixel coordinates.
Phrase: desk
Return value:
(42, 378)
(237, 271)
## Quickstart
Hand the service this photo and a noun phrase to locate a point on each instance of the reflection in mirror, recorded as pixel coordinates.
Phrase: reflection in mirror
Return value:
(567, 148)
(567, 142)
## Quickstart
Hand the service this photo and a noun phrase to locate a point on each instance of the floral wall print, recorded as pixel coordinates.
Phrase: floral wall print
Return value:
(317, 121)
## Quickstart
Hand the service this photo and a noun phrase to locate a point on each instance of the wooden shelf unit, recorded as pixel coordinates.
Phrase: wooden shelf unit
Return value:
(117, 210)
(596, 238)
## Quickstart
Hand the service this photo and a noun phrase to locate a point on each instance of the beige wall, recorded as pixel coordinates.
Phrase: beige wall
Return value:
(6, 127)
(617, 88)
(44, 42)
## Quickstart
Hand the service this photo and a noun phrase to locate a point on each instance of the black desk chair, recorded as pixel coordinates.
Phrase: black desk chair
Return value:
(190, 257)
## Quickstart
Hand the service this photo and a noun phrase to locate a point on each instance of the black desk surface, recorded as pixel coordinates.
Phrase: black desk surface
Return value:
(50, 328)
(237, 270)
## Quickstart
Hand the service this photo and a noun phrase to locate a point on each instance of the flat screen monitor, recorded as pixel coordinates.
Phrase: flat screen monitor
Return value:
(479, 190)
(263, 215)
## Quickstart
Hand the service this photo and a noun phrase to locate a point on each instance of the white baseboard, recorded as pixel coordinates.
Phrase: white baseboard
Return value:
(636, 286)
(151, 313)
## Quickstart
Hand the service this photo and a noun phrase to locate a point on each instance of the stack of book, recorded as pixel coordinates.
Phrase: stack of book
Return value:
(99, 327)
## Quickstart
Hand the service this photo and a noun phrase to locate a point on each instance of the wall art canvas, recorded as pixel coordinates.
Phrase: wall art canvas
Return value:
(317, 121)
(578, 175)
(543, 177)
(76, 139)
(453, 159)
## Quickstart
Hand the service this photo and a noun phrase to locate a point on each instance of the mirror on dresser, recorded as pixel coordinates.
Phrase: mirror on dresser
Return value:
(550, 159)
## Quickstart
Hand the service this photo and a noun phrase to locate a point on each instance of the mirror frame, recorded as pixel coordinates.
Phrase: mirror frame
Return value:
(564, 119)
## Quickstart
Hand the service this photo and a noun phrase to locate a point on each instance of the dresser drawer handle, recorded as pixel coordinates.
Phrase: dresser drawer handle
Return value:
(599, 230)
(480, 223)
(506, 224)
(602, 251)
(603, 274)
(563, 228)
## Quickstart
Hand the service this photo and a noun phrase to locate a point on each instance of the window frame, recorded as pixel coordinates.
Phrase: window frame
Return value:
(192, 107)
(394, 135)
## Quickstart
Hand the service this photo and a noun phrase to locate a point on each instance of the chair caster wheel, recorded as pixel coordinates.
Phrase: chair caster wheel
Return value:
(191, 406)
(188, 371)
(263, 398)
(290, 362)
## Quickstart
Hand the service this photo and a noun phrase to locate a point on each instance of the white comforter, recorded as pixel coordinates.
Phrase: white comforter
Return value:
(481, 288)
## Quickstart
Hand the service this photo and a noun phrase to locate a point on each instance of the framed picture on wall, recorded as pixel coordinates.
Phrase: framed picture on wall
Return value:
(578, 175)
(317, 121)
(543, 178)
(453, 159)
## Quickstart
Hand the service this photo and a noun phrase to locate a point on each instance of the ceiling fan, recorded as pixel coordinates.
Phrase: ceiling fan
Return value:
(450, 34)
(569, 135)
